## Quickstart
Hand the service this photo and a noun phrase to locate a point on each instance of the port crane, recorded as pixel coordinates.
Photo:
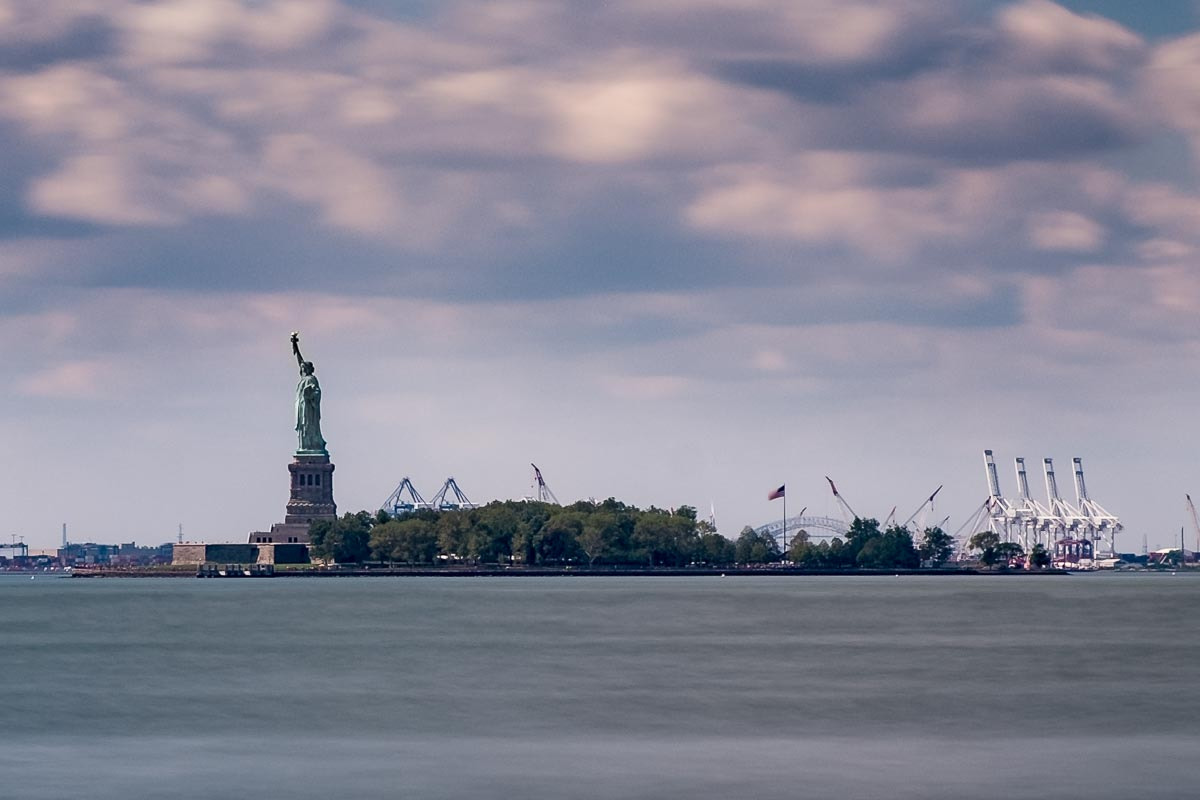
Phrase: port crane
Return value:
(405, 500)
(1034, 523)
(460, 501)
(1099, 523)
(1029, 516)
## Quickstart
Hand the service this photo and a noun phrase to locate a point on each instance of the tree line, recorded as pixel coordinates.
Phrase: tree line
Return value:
(589, 533)
(525, 532)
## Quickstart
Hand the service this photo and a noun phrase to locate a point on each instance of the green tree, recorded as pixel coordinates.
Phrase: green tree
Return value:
(598, 536)
(658, 538)
(892, 549)
(756, 548)
(862, 530)
(344, 540)
(985, 542)
(410, 540)
(454, 534)
(1039, 557)
(496, 525)
(715, 549)
(936, 546)
(556, 542)
(1007, 552)
(799, 547)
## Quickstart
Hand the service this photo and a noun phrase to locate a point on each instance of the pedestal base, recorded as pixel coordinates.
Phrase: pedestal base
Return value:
(311, 499)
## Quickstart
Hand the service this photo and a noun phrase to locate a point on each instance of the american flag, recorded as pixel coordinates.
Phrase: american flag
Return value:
(776, 494)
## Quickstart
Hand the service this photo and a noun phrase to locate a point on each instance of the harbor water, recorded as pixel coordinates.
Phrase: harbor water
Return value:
(1077, 686)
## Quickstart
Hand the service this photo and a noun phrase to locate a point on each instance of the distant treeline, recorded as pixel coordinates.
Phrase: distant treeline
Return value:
(603, 533)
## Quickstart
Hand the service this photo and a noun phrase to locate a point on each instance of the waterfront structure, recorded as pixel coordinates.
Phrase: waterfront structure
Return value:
(1029, 522)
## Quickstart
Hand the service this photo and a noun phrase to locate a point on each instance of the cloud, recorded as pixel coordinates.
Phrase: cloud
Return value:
(350, 190)
(825, 32)
(192, 30)
(73, 379)
(1171, 79)
(997, 117)
(1165, 209)
(1042, 35)
(1107, 312)
(95, 188)
(1065, 231)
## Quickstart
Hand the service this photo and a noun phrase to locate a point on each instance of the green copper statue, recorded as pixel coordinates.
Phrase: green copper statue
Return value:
(308, 404)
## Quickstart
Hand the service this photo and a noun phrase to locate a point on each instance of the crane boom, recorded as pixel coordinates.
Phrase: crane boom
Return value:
(1195, 520)
(928, 502)
(841, 501)
(989, 464)
(544, 495)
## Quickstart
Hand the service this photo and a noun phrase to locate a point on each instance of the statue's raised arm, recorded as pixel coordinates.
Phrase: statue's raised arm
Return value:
(308, 404)
(296, 348)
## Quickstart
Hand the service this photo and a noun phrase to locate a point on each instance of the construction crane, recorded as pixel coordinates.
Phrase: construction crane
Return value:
(405, 500)
(460, 500)
(847, 511)
(1195, 520)
(544, 495)
(928, 502)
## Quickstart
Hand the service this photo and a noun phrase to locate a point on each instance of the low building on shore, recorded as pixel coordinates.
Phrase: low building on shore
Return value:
(233, 553)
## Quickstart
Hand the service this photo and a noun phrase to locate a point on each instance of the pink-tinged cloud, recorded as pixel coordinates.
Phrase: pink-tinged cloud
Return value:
(1171, 79)
(72, 379)
(1043, 35)
(1065, 231)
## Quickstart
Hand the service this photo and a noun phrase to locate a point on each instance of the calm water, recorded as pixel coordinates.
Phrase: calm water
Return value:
(1072, 687)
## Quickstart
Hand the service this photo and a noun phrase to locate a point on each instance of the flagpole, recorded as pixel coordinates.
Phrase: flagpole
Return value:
(785, 521)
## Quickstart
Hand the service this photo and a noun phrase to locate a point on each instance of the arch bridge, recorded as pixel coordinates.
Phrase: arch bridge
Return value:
(834, 527)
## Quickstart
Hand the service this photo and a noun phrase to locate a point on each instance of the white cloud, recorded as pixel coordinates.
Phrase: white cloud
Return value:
(1165, 209)
(71, 379)
(1045, 35)
(830, 198)
(350, 190)
(825, 32)
(97, 188)
(1171, 79)
(1065, 231)
(178, 31)
(644, 112)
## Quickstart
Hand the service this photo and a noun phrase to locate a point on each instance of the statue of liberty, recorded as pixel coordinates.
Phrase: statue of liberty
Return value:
(308, 405)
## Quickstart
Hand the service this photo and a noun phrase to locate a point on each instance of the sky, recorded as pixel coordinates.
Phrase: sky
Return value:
(672, 252)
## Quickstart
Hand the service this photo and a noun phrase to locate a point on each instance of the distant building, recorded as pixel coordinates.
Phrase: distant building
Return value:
(87, 553)
(125, 555)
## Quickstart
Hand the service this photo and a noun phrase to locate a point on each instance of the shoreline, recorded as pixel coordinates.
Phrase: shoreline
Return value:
(535, 572)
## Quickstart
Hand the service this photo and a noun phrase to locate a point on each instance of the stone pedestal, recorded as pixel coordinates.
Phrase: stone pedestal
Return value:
(311, 499)
(312, 489)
